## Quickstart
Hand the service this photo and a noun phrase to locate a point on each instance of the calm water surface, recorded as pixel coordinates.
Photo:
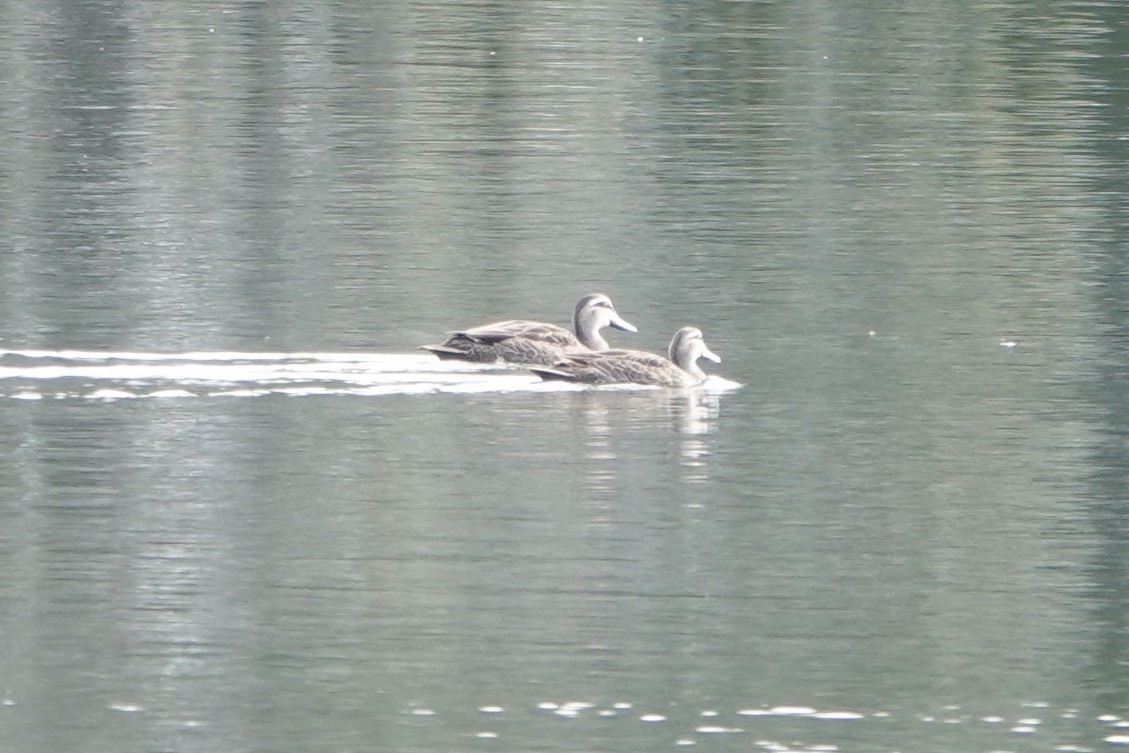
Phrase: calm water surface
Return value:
(239, 512)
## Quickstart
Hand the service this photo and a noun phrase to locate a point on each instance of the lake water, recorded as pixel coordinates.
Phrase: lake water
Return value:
(240, 511)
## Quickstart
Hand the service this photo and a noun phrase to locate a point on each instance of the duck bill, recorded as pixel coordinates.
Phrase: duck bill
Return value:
(710, 355)
(620, 323)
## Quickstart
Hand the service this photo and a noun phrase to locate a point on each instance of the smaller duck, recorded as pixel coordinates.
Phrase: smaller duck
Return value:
(526, 342)
(637, 366)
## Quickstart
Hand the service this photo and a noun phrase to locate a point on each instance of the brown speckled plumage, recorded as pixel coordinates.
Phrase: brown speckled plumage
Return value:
(637, 366)
(526, 342)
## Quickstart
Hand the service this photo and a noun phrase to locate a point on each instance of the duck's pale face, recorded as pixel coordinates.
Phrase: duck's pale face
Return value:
(689, 341)
(603, 314)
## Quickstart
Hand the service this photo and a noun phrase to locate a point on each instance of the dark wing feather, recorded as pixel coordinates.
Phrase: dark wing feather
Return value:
(620, 367)
(525, 350)
(538, 331)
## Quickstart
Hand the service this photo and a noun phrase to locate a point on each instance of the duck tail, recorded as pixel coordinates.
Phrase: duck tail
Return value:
(444, 351)
(550, 375)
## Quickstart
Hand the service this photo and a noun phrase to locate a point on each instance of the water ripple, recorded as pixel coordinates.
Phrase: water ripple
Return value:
(37, 374)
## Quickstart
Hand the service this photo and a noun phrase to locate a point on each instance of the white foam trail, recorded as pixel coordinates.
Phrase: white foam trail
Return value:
(225, 355)
(111, 375)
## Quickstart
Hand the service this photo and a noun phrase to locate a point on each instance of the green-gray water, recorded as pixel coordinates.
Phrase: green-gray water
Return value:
(240, 512)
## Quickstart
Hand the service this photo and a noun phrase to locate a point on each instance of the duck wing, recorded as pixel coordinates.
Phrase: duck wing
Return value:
(621, 367)
(540, 331)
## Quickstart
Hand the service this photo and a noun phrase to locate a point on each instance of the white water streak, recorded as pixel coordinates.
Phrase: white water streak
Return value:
(106, 375)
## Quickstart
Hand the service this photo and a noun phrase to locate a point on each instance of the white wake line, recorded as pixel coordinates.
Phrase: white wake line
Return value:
(121, 374)
(201, 367)
(198, 355)
(202, 372)
(223, 356)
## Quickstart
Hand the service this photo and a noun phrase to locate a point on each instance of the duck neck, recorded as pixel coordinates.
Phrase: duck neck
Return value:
(587, 334)
(686, 361)
(692, 369)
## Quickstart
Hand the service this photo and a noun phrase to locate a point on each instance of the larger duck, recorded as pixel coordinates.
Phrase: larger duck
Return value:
(637, 366)
(526, 342)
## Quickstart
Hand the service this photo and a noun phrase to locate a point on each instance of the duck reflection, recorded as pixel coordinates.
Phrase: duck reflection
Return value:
(600, 458)
(610, 422)
(697, 417)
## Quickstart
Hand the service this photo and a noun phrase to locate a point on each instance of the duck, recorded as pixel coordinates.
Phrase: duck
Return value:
(526, 342)
(680, 369)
